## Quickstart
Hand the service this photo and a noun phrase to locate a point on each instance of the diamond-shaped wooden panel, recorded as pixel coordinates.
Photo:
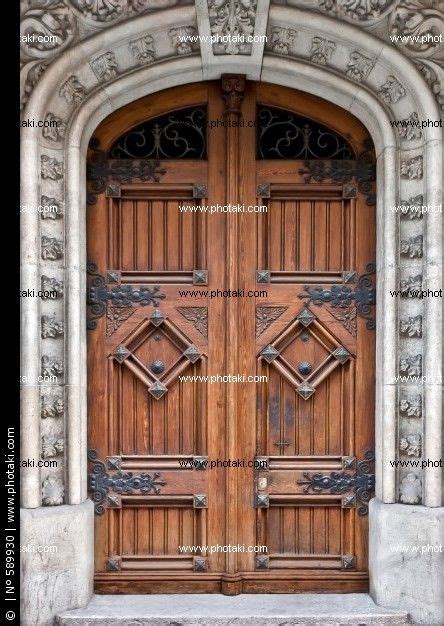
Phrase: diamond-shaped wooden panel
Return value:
(157, 353)
(305, 353)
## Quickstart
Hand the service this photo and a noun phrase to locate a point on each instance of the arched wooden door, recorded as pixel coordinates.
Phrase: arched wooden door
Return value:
(285, 292)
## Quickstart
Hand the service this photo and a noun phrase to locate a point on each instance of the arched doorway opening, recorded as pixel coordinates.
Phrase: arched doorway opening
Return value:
(231, 233)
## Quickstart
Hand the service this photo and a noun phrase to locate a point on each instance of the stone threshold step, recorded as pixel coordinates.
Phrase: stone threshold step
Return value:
(242, 610)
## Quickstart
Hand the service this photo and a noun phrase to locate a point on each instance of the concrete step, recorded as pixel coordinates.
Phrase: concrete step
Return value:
(242, 610)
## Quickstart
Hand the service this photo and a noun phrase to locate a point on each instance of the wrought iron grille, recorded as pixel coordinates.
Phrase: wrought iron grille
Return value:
(286, 135)
(177, 135)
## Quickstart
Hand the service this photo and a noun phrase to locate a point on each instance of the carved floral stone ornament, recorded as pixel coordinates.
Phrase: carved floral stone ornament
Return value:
(410, 445)
(410, 489)
(52, 406)
(231, 21)
(52, 446)
(53, 491)
(411, 406)
(105, 66)
(52, 366)
(72, 90)
(321, 50)
(412, 26)
(391, 91)
(51, 288)
(181, 39)
(282, 40)
(143, 49)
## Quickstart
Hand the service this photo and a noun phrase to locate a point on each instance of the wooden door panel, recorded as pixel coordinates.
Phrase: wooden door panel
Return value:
(306, 229)
(148, 231)
(304, 537)
(300, 427)
(314, 345)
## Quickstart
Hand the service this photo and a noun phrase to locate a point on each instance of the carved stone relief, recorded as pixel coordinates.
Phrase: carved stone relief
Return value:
(411, 208)
(391, 91)
(412, 168)
(359, 66)
(411, 365)
(282, 40)
(410, 445)
(55, 128)
(321, 50)
(411, 283)
(105, 66)
(52, 406)
(51, 446)
(410, 130)
(180, 39)
(68, 22)
(411, 406)
(143, 49)
(411, 489)
(52, 366)
(411, 326)
(32, 73)
(56, 211)
(72, 90)
(51, 327)
(53, 491)
(412, 247)
(411, 26)
(52, 249)
(232, 20)
(51, 168)
(51, 288)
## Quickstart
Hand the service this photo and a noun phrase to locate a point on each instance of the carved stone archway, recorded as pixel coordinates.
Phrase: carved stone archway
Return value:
(140, 53)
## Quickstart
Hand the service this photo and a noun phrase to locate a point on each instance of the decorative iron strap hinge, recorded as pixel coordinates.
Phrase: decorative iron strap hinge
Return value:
(357, 488)
(107, 482)
(102, 170)
(119, 296)
(363, 295)
(360, 170)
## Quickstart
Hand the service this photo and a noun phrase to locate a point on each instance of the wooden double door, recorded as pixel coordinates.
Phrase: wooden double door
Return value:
(273, 474)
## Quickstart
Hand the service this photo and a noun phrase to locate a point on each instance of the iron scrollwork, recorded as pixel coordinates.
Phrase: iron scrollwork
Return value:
(119, 296)
(363, 296)
(101, 482)
(361, 483)
(362, 169)
(285, 135)
(100, 169)
(179, 135)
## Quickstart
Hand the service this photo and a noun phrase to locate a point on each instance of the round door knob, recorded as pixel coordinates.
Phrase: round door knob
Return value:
(157, 366)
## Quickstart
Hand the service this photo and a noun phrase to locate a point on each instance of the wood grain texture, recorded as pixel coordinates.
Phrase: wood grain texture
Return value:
(310, 235)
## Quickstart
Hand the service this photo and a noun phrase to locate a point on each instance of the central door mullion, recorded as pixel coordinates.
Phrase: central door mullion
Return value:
(233, 87)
